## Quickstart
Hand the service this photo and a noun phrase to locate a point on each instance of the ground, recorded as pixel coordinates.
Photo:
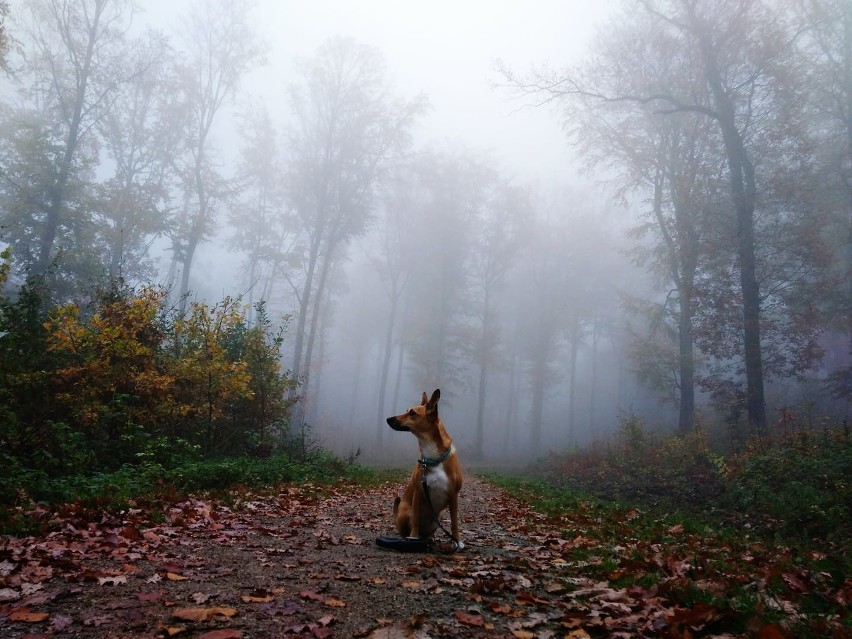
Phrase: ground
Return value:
(302, 561)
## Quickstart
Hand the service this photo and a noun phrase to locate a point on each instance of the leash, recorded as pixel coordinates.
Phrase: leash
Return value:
(425, 463)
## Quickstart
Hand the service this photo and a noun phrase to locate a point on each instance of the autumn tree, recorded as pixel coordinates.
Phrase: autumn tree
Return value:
(738, 83)
(825, 44)
(75, 71)
(131, 207)
(347, 125)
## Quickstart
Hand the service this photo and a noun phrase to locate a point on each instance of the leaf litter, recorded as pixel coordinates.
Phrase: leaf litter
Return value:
(302, 562)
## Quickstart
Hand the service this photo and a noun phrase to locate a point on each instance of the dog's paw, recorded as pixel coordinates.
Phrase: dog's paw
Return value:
(460, 546)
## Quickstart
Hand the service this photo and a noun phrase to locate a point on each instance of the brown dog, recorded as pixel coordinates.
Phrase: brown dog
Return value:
(416, 515)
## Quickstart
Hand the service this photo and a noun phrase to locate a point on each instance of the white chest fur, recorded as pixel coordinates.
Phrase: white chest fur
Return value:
(438, 482)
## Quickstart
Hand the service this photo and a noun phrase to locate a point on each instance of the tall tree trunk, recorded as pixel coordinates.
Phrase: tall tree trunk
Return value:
(594, 384)
(538, 383)
(686, 417)
(478, 449)
(302, 320)
(742, 184)
(572, 384)
(386, 357)
(188, 256)
(484, 355)
(315, 316)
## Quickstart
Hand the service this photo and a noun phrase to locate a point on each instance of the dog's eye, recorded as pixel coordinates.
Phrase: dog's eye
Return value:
(411, 413)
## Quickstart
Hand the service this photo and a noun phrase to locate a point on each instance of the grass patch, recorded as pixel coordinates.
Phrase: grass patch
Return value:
(150, 483)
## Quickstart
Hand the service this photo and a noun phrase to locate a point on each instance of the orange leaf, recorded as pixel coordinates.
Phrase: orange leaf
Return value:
(252, 599)
(171, 576)
(335, 603)
(29, 617)
(468, 619)
(202, 614)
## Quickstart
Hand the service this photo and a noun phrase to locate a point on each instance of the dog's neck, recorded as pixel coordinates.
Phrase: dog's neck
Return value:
(434, 444)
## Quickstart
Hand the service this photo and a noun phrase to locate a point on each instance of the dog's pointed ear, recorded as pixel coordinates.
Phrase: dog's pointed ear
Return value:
(423, 403)
(432, 405)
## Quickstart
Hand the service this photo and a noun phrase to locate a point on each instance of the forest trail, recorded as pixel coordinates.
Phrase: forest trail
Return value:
(302, 561)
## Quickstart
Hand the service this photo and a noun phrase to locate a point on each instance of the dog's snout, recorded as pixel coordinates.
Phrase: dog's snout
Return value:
(396, 424)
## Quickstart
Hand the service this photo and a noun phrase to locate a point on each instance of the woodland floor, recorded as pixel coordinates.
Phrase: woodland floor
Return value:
(302, 561)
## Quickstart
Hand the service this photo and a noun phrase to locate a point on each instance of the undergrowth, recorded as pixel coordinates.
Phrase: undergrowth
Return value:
(152, 482)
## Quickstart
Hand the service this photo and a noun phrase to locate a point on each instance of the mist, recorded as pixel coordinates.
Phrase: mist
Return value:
(480, 197)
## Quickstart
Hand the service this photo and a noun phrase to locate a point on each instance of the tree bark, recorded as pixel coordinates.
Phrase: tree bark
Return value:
(743, 188)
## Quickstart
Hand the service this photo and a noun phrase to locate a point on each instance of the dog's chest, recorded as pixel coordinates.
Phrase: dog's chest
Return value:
(438, 484)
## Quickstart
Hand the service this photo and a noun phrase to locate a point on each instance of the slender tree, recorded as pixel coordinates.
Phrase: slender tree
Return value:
(77, 71)
(347, 125)
(218, 46)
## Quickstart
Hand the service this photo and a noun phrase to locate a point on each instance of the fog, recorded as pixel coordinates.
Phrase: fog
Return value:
(434, 195)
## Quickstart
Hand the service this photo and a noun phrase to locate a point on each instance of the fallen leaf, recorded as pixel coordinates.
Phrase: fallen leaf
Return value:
(253, 599)
(523, 634)
(173, 576)
(115, 580)
(468, 619)
(28, 617)
(202, 614)
(578, 634)
(310, 594)
(224, 633)
(335, 603)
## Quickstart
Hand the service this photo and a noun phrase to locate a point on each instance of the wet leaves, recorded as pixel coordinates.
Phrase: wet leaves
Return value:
(302, 562)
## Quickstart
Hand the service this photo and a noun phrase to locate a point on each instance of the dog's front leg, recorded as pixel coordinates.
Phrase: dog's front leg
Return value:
(454, 519)
(416, 509)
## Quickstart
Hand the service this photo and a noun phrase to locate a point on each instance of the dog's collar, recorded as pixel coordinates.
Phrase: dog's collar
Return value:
(427, 461)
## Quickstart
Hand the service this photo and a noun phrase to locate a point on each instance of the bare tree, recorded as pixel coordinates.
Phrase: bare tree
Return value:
(77, 69)
(263, 226)
(218, 47)
(502, 218)
(347, 125)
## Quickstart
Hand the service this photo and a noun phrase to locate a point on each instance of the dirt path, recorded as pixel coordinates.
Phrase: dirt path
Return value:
(303, 562)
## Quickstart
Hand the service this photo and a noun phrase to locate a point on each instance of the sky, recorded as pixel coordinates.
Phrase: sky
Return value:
(447, 50)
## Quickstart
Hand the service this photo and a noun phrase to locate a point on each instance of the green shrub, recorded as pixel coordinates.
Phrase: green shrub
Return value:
(802, 482)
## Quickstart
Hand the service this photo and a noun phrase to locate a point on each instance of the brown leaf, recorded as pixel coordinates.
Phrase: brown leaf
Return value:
(523, 634)
(202, 614)
(26, 616)
(312, 595)
(254, 599)
(224, 633)
(578, 634)
(335, 603)
(468, 619)
(173, 576)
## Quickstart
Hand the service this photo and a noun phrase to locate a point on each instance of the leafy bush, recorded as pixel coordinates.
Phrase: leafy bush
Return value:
(642, 467)
(802, 483)
(798, 485)
(125, 381)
